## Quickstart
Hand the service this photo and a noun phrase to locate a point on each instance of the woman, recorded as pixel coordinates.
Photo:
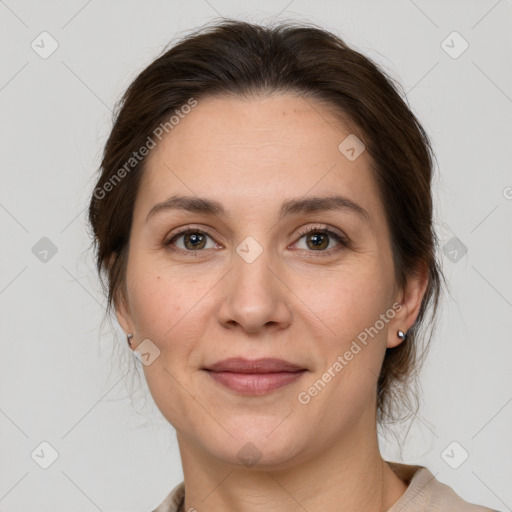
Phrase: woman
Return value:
(264, 221)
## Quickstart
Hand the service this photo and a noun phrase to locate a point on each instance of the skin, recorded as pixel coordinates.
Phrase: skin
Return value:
(252, 154)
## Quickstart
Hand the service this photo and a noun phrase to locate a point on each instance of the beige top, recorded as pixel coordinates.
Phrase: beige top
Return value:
(424, 494)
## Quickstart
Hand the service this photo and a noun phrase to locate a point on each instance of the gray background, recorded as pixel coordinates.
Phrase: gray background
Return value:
(62, 379)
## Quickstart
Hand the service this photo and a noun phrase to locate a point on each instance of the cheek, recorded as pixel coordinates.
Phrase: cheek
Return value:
(165, 307)
(156, 302)
(350, 299)
(161, 309)
(352, 351)
(350, 303)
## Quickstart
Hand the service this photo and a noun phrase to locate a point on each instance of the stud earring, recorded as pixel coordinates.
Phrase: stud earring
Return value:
(401, 334)
(129, 339)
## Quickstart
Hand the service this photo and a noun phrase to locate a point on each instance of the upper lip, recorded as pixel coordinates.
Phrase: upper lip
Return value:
(263, 365)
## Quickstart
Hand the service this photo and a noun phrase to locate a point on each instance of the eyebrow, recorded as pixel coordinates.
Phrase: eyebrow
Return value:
(289, 207)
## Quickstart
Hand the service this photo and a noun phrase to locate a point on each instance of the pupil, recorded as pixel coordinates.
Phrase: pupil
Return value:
(316, 241)
(195, 239)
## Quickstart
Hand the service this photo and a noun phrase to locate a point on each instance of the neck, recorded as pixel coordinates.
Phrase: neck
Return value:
(349, 475)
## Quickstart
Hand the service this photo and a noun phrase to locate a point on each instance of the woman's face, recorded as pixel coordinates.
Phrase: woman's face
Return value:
(247, 283)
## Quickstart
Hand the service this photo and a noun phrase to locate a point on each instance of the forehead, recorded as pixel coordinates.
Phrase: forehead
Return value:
(256, 151)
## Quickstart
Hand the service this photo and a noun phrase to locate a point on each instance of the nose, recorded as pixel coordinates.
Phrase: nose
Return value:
(255, 297)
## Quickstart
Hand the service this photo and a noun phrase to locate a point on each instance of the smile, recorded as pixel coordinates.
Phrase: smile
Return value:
(255, 383)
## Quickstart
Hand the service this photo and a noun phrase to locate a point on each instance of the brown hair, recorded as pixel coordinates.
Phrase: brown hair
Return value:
(238, 58)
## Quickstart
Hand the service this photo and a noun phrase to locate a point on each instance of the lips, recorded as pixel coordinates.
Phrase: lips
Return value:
(254, 377)
(264, 365)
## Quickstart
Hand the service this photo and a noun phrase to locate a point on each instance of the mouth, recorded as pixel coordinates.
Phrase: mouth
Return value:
(254, 377)
(258, 366)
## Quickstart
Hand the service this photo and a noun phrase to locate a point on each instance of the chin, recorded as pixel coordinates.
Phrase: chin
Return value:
(257, 444)
(259, 456)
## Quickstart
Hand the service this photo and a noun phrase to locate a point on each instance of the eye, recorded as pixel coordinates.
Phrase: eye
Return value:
(193, 240)
(317, 239)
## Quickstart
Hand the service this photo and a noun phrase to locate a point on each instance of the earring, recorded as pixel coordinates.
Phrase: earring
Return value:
(401, 334)
(129, 339)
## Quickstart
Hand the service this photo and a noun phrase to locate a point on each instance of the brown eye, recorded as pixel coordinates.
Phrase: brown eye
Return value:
(319, 239)
(192, 240)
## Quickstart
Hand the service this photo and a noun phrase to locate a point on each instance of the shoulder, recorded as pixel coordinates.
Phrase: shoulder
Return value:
(426, 493)
(443, 497)
(173, 502)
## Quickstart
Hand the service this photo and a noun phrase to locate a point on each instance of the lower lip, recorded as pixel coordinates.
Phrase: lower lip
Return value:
(255, 383)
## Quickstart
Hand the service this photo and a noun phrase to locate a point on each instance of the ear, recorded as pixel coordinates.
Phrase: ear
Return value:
(121, 306)
(410, 298)
(123, 313)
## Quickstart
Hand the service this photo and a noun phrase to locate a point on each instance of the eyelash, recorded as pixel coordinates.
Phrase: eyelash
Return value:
(342, 240)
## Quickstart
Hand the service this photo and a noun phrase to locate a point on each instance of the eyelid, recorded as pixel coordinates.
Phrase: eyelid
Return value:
(322, 227)
(339, 236)
(188, 229)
